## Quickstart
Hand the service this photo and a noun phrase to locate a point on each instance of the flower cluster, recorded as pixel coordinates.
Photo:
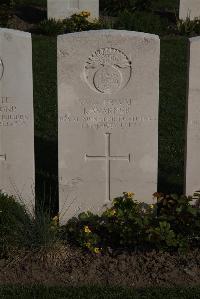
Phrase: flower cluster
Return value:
(84, 14)
(90, 243)
(55, 220)
(128, 194)
(86, 229)
(169, 223)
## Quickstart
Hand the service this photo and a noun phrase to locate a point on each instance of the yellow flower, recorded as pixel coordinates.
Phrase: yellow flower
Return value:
(157, 194)
(129, 194)
(115, 200)
(151, 206)
(55, 220)
(88, 245)
(86, 229)
(112, 212)
(97, 250)
(85, 14)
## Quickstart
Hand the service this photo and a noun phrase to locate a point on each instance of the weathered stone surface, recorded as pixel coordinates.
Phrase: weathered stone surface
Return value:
(16, 116)
(189, 8)
(193, 121)
(108, 94)
(61, 9)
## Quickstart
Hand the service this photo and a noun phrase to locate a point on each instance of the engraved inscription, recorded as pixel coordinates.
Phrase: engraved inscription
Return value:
(195, 123)
(9, 114)
(107, 70)
(193, 126)
(108, 114)
(107, 158)
(1, 69)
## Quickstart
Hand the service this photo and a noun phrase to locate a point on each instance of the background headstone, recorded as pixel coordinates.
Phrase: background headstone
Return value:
(189, 8)
(193, 120)
(16, 116)
(108, 94)
(61, 9)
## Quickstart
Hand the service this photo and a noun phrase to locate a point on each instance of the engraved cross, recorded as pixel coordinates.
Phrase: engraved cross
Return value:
(107, 158)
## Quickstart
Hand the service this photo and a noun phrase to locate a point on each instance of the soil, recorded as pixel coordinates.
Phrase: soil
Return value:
(67, 266)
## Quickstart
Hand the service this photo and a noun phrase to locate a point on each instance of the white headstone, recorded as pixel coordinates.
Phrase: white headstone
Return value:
(16, 116)
(189, 8)
(108, 94)
(61, 9)
(193, 120)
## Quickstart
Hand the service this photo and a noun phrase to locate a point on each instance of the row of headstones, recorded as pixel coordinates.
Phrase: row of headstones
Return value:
(108, 99)
(61, 9)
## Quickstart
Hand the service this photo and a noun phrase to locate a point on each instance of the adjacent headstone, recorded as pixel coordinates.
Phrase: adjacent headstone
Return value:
(189, 8)
(61, 9)
(16, 116)
(108, 94)
(192, 171)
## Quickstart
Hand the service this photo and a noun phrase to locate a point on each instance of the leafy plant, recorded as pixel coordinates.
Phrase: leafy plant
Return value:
(122, 225)
(51, 27)
(77, 22)
(81, 22)
(13, 219)
(183, 217)
(172, 223)
(162, 236)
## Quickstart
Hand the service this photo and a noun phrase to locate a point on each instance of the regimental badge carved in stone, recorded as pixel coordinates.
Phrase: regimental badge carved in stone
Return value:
(108, 70)
(1, 68)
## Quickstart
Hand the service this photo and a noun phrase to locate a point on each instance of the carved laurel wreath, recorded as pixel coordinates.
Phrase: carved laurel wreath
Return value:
(107, 70)
(107, 56)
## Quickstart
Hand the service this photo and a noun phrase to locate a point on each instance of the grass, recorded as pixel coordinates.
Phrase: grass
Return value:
(45, 91)
(166, 4)
(19, 230)
(173, 81)
(41, 292)
(45, 110)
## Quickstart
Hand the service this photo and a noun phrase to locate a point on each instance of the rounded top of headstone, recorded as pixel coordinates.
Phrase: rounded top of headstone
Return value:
(194, 39)
(113, 32)
(15, 32)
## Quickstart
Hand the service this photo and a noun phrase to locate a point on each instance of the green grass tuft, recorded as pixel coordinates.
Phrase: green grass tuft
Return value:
(94, 292)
